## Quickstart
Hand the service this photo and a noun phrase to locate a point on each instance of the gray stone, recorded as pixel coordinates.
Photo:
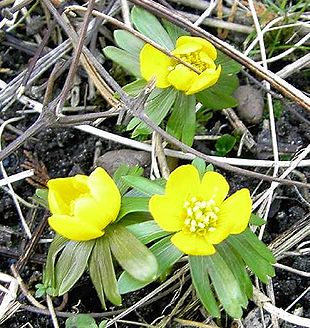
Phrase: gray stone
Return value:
(111, 160)
(251, 104)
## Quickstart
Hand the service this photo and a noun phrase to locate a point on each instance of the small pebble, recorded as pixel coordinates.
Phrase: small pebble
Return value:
(251, 104)
(111, 160)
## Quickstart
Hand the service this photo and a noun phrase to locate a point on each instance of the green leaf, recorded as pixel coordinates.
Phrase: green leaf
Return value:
(256, 220)
(134, 218)
(226, 84)
(229, 66)
(201, 281)
(102, 274)
(215, 100)
(124, 59)
(147, 231)
(174, 31)
(182, 122)
(40, 292)
(257, 264)
(210, 168)
(135, 87)
(219, 95)
(103, 324)
(166, 254)
(125, 170)
(56, 246)
(250, 238)
(81, 320)
(131, 254)
(133, 204)
(226, 286)
(71, 264)
(156, 109)
(149, 25)
(224, 144)
(200, 165)
(237, 267)
(146, 186)
(41, 197)
(128, 42)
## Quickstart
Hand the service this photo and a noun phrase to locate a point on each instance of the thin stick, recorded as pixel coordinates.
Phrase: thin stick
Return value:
(52, 311)
(295, 66)
(16, 177)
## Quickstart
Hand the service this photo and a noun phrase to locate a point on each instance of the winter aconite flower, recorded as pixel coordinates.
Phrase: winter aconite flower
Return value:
(83, 206)
(198, 212)
(197, 52)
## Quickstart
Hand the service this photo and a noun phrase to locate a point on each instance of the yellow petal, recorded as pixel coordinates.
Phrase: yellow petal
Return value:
(233, 217)
(183, 181)
(204, 57)
(192, 244)
(186, 48)
(182, 77)
(89, 211)
(221, 232)
(205, 80)
(154, 63)
(72, 228)
(204, 44)
(167, 213)
(236, 211)
(214, 186)
(62, 191)
(104, 190)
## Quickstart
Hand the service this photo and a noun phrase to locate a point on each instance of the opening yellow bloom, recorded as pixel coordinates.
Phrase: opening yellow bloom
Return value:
(197, 52)
(198, 212)
(83, 206)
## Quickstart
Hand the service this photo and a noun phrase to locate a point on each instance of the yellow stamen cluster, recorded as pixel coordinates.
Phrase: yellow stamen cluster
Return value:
(201, 216)
(193, 58)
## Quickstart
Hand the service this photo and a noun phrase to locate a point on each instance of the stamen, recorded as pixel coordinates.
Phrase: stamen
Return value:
(187, 221)
(201, 216)
(186, 204)
(203, 204)
(195, 208)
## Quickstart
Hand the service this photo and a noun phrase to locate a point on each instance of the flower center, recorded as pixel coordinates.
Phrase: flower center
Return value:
(194, 59)
(201, 216)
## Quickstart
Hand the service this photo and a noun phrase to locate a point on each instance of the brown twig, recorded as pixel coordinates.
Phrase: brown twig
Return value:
(76, 57)
(31, 244)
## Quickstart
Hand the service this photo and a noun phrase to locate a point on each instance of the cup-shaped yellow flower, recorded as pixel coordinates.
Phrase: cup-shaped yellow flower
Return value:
(82, 206)
(196, 209)
(168, 71)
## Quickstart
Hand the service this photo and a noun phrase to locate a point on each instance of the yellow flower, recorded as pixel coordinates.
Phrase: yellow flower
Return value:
(198, 52)
(197, 210)
(83, 206)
